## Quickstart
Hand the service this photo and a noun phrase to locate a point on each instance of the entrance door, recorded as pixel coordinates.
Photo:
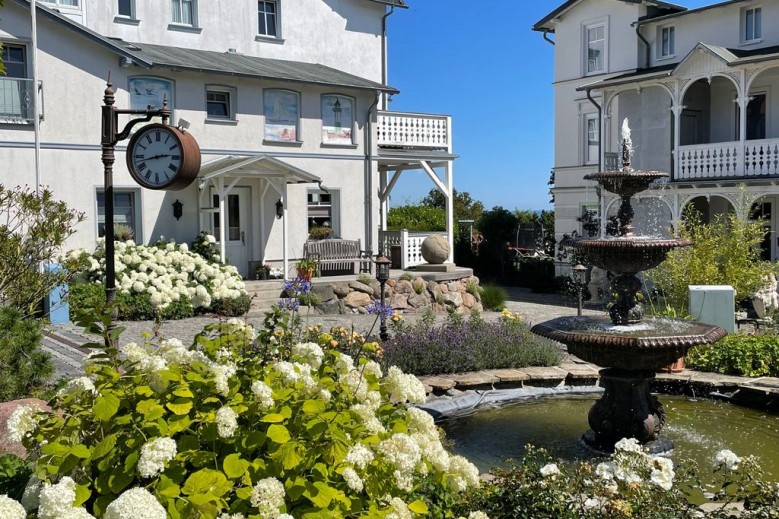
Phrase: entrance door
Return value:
(238, 217)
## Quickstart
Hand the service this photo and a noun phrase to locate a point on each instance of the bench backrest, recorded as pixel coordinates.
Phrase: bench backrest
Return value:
(333, 249)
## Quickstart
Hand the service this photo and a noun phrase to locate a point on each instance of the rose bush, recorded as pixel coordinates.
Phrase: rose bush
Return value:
(165, 277)
(238, 425)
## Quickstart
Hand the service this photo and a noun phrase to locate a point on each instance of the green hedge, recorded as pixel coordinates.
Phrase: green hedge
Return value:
(742, 355)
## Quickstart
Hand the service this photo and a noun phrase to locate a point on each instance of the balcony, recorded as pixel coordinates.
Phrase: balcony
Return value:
(728, 160)
(412, 131)
(16, 101)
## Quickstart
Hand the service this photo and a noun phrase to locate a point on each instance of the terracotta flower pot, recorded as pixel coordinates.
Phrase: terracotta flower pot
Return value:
(306, 274)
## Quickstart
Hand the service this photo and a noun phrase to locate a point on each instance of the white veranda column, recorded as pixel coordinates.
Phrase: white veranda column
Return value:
(222, 221)
(450, 210)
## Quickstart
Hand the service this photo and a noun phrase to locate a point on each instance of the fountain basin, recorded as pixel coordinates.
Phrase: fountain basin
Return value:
(649, 346)
(626, 183)
(627, 255)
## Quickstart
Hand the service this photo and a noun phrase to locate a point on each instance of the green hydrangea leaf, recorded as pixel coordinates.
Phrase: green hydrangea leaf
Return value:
(105, 406)
(273, 418)
(105, 446)
(418, 507)
(278, 434)
(180, 407)
(207, 481)
(234, 467)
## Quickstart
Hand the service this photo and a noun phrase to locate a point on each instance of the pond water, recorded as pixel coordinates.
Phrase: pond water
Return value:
(698, 427)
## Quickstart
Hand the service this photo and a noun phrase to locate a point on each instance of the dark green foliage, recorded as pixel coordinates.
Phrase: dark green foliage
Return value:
(742, 355)
(493, 297)
(416, 218)
(14, 474)
(468, 345)
(24, 368)
(232, 307)
(205, 248)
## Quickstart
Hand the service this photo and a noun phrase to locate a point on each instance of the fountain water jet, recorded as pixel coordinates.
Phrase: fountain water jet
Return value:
(629, 352)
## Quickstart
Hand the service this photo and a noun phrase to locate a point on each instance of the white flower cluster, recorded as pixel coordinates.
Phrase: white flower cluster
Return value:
(263, 393)
(628, 463)
(11, 509)
(166, 274)
(137, 503)
(402, 387)
(311, 352)
(78, 386)
(728, 459)
(56, 501)
(226, 422)
(268, 497)
(23, 421)
(550, 470)
(155, 454)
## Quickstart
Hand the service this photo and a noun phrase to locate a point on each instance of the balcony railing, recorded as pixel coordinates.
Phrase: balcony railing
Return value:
(16, 101)
(757, 158)
(403, 247)
(409, 130)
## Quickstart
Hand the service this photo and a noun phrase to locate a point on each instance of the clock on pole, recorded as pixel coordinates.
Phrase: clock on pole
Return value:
(163, 157)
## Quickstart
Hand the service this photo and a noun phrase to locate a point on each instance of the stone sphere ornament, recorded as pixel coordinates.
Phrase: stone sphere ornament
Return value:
(435, 249)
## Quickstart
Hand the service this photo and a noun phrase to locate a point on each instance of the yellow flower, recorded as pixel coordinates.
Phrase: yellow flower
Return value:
(333, 343)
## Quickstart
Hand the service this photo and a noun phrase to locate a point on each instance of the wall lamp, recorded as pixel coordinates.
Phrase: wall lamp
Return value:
(279, 209)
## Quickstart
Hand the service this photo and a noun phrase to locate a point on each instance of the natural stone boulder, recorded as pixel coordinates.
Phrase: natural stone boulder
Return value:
(399, 301)
(435, 249)
(331, 307)
(357, 299)
(454, 299)
(361, 287)
(323, 292)
(418, 300)
(404, 287)
(469, 300)
(453, 286)
(341, 289)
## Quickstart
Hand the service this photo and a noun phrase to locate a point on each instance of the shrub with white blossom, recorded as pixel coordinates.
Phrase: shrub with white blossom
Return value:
(165, 277)
(243, 425)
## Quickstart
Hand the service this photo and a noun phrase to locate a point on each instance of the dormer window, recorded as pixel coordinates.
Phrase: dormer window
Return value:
(667, 41)
(752, 21)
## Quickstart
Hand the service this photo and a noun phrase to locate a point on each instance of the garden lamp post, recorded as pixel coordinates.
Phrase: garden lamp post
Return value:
(382, 275)
(579, 277)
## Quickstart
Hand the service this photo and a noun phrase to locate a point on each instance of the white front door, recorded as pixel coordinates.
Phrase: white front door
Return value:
(238, 231)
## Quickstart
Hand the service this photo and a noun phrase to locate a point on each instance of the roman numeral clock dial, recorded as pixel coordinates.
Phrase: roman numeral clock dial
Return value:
(163, 157)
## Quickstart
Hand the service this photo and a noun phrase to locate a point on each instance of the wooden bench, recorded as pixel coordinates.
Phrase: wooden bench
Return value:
(338, 254)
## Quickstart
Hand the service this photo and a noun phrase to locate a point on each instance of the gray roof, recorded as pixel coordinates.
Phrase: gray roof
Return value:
(160, 56)
(544, 26)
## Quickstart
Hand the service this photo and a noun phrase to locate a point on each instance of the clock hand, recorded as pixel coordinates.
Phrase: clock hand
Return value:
(158, 156)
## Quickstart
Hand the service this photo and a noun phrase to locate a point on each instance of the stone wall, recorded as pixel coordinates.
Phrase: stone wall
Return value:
(424, 291)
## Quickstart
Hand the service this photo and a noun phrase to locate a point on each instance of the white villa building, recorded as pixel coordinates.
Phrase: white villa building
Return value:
(700, 88)
(286, 98)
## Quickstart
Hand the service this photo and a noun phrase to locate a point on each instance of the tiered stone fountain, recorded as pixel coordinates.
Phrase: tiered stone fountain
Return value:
(629, 347)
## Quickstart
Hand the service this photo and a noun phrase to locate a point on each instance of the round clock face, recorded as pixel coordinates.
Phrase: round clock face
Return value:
(156, 156)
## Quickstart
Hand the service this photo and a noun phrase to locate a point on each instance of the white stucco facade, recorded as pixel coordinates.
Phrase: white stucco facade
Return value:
(75, 56)
(699, 90)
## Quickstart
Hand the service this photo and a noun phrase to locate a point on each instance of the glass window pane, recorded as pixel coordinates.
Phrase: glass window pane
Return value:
(126, 8)
(758, 22)
(233, 218)
(271, 25)
(281, 115)
(187, 12)
(124, 211)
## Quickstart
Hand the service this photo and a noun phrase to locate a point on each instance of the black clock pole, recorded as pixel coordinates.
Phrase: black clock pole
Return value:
(108, 139)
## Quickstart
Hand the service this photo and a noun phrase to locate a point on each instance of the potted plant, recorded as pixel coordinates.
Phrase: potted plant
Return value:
(262, 272)
(320, 232)
(306, 268)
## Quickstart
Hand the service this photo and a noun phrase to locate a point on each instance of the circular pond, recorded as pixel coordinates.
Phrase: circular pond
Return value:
(698, 427)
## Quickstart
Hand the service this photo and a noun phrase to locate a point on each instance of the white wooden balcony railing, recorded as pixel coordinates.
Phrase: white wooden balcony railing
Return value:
(404, 247)
(16, 100)
(410, 130)
(728, 160)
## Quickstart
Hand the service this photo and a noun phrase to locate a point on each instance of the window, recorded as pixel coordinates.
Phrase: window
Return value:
(126, 8)
(592, 138)
(667, 37)
(184, 12)
(220, 103)
(596, 48)
(281, 108)
(337, 119)
(62, 3)
(151, 91)
(756, 110)
(322, 212)
(753, 24)
(16, 92)
(267, 18)
(126, 213)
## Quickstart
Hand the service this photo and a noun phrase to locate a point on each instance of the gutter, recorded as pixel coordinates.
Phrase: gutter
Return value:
(600, 130)
(368, 196)
(546, 37)
(646, 45)
(384, 53)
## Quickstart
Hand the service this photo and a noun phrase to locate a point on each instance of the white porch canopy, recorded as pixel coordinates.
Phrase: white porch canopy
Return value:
(225, 173)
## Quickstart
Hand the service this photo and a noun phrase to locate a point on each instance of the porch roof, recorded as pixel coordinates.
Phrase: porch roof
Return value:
(249, 165)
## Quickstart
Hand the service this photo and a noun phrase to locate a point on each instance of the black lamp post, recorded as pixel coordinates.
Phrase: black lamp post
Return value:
(579, 277)
(382, 275)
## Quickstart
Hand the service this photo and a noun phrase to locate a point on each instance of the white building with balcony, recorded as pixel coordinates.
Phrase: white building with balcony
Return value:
(286, 99)
(700, 88)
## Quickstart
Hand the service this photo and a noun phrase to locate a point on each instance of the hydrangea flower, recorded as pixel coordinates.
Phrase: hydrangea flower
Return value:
(352, 479)
(56, 500)
(662, 472)
(78, 385)
(310, 351)
(10, 509)
(550, 470)
(263, 393)
(359, 456)
(462, 474)
(268, 497)
(401, 387)
(226, 422)
(727, 458)
(23, 421)
(155, 454)
(137, 503)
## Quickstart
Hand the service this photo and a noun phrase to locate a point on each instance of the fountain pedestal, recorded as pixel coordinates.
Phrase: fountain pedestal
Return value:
(627, 410)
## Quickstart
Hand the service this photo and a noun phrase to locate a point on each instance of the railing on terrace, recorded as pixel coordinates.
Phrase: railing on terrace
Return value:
(611, 161)
(16, 100)
(403, 247)
(410, 130)
(728, 160)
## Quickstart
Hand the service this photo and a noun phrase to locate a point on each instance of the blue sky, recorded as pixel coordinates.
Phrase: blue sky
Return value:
(480, 63)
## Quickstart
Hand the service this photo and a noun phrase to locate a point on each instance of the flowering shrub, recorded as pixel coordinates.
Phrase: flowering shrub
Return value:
(204, 245)
(237, 427)
(165, 277)
(737, 354)
(631, 483)
(468, 345)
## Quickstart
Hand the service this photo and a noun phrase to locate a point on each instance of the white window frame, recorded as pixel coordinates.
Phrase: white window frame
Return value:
(64, 4)
(328, 139)
(280, 124)
(756, 13)
(666, 51)
(125, 18)
(333, 206)
(586, 28)
(587, 118)
(137, 208)
(232, 97)
(277, 17)
(178, 5)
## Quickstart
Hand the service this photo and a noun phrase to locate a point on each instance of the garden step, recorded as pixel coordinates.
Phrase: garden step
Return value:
(510, 377)
(475, 380)
(438, 385)
(580, 374)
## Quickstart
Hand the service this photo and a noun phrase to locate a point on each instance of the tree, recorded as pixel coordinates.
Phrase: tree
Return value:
(465, 207)
(33, 228)
(416, 218)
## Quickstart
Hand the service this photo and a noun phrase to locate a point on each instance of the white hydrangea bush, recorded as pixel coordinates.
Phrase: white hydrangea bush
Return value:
(230, 427)
(166, 273)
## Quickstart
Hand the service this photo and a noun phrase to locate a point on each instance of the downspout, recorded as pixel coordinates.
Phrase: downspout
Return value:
(600, 130)
(646, 46)
(384, 54)
(369, 174)
(546, 37)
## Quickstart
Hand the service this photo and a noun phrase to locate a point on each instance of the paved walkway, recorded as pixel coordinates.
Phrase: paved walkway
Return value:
(66, 342)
